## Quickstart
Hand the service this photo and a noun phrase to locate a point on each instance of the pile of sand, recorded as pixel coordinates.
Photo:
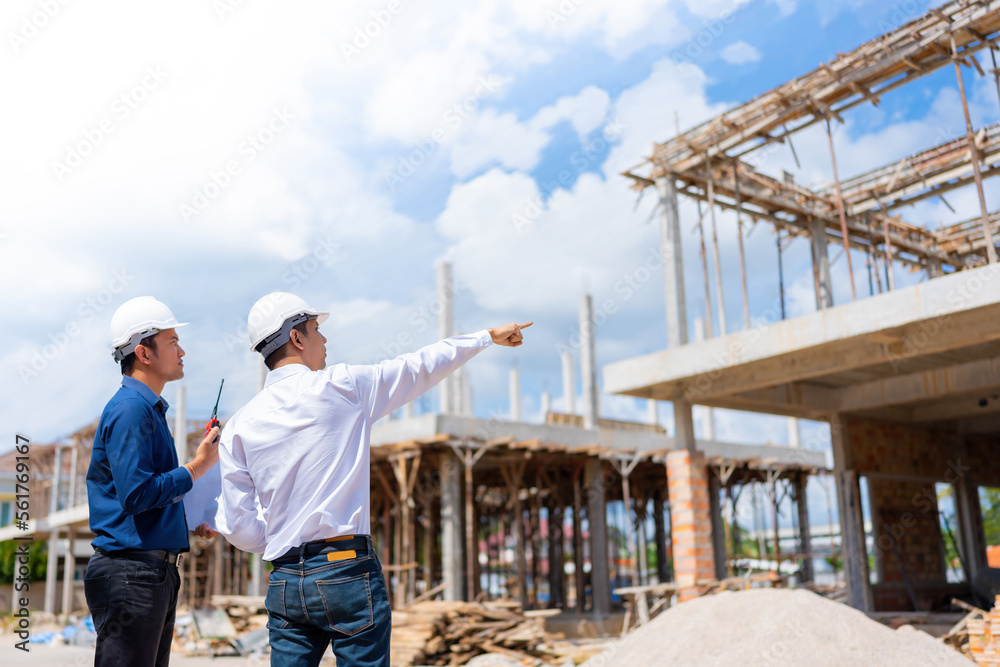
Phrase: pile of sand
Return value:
(771, 626)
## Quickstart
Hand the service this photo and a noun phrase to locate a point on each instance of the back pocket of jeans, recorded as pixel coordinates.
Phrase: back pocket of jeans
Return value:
(96, 591)
(348, 603)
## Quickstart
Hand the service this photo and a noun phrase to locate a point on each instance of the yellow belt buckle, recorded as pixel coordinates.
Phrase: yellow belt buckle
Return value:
(334, 556)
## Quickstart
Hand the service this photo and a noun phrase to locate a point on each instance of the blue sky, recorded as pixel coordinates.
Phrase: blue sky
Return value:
(165, 100)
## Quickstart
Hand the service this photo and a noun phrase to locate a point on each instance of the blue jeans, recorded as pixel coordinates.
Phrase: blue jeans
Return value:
(133, 603)
(314, 603)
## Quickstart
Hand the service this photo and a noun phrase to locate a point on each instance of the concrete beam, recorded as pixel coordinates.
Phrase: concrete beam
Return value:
(982, 375)
(883, 334)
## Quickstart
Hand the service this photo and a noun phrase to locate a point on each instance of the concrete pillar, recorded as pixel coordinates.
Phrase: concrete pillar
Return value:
(74, 472)
(805, 539)
(446, 327)
(718, 529)
(546, 404)
(653, 412)
(408, 410)
(794, 433)
(69, 568)
(968, 513)
(515, 395)
(690, 517)
(600, 583)
(706, 414)
(934, 267)
(588, 363)
(821, 265)
(852, 529)
(53, 554)
(452, 556)
(569, 383)
(466, 394)
(180, 425)
(673, 262)
(660, 533)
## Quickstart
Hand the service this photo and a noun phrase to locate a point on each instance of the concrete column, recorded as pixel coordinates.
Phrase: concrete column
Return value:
(569, 383)
(546, 404)
(934, 267)
(673, 262)
(821, 265)
(706, 414)
(690, 517)
(69, 567)
(180, 425)
(852, 529)
(515, 395)
(53, 554)
(794, 433)
(452, 556)
(408, 410)
(446, 327)
(74, 472)
(969, 515)
(718, 529)
(52, 566)
(600, 583)
(466, 394)
(653, 412)
(805, 539)
(588, 363)
(660, 532)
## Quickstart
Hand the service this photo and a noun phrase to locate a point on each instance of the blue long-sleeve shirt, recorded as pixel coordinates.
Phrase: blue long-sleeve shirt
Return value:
(134, 483)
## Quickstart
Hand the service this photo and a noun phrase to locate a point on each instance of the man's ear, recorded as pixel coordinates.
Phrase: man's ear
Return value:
(297, 339)
(142, 354)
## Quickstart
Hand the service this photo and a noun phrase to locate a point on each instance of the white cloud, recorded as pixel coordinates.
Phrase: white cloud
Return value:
(740, 53)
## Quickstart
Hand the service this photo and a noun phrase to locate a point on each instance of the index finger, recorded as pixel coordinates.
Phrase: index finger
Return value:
(525, 326)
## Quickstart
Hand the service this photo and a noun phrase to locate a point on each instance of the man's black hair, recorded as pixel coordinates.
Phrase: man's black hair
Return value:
(272, 359)
(129, 360)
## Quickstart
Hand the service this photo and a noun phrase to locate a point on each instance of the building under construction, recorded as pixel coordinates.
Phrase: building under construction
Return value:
(908, 377)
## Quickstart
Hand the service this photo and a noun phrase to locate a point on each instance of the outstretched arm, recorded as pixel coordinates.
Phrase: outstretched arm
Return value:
(394, 383)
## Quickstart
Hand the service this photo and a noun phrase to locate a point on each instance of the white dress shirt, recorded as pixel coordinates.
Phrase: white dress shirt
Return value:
(295, 459)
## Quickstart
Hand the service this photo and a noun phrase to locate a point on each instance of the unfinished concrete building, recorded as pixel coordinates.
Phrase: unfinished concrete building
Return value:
(907, 378)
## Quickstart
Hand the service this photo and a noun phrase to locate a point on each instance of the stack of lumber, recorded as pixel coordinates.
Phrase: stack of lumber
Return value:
(981, 631)
(452, 633)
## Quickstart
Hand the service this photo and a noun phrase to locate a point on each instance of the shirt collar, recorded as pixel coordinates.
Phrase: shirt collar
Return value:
(284, 372)
(145, 392)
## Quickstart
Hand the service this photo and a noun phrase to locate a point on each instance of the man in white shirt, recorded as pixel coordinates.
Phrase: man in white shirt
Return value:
(295, 478)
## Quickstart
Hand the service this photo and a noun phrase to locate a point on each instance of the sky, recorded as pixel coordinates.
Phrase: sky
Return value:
(207, 153)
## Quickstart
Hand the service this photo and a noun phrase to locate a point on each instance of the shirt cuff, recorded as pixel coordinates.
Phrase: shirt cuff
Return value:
(484, 337)
(184, 480)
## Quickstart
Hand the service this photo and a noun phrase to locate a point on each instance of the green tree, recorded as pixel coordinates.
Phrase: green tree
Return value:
(37, 561)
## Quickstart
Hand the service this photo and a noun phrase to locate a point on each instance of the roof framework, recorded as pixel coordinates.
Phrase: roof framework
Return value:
(712, 162)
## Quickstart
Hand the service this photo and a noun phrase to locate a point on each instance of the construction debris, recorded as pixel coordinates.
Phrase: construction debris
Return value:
(773, 626)
(453, 633)
(978, 635)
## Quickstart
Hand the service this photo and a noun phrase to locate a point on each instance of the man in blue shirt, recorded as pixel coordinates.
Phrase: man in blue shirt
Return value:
(134, 486)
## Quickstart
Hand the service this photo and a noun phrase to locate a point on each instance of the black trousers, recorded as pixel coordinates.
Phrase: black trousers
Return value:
(133, 603)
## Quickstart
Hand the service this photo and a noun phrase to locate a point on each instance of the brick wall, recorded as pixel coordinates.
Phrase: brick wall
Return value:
(690, 518)
(905, 522)
(899, 449)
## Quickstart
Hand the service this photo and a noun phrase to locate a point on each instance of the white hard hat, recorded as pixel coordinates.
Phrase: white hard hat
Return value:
(134, 320)
(271, 320)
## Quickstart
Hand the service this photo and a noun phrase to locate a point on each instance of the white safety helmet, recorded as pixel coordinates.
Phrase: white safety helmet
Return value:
(134, 320)
(271, 320)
